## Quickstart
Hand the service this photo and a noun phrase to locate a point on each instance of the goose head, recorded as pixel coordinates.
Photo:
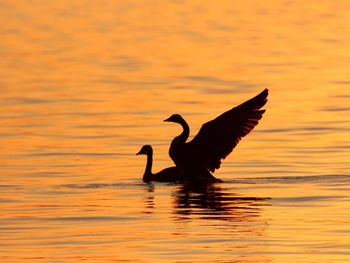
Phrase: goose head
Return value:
(175, 118)
(146, 149)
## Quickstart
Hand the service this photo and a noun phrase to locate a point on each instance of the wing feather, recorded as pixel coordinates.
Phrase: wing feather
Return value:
(217, 138)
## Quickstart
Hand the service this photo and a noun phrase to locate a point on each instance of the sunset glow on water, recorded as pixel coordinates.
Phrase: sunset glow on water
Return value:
(84, 84)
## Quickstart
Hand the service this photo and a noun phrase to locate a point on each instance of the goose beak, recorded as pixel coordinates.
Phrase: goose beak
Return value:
(166, 120)
(138, 153)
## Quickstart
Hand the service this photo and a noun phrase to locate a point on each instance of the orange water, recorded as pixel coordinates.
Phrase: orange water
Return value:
(84, 84)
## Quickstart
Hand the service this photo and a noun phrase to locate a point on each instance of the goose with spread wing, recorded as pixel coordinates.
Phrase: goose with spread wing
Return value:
(171, 174)
(216, 138)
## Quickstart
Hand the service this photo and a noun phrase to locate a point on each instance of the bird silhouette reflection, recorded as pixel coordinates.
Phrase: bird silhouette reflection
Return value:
(211, 202)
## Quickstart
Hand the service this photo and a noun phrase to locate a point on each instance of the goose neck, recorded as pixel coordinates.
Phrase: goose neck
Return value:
(148, 170)
(186, 131)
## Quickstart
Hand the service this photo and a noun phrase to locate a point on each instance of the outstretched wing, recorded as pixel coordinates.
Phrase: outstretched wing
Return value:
(217, 138)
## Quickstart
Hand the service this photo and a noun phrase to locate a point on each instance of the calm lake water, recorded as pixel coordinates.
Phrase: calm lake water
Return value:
(84, 84)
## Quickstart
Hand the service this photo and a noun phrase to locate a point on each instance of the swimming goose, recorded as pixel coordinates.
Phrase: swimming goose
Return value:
(170, 174)
(216, 138)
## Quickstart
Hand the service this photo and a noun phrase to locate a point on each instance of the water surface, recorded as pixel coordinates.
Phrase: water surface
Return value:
(84, 84)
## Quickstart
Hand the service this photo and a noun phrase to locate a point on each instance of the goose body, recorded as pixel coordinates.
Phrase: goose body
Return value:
(216, 138)
(170, 174)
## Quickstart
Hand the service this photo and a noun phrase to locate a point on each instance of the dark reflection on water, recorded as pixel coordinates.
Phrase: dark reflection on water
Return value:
(150, 198)
(212, 202)
(336, 109)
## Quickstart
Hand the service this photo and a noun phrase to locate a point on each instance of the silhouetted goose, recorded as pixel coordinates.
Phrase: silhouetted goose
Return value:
(170, 174)
(216, 138)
